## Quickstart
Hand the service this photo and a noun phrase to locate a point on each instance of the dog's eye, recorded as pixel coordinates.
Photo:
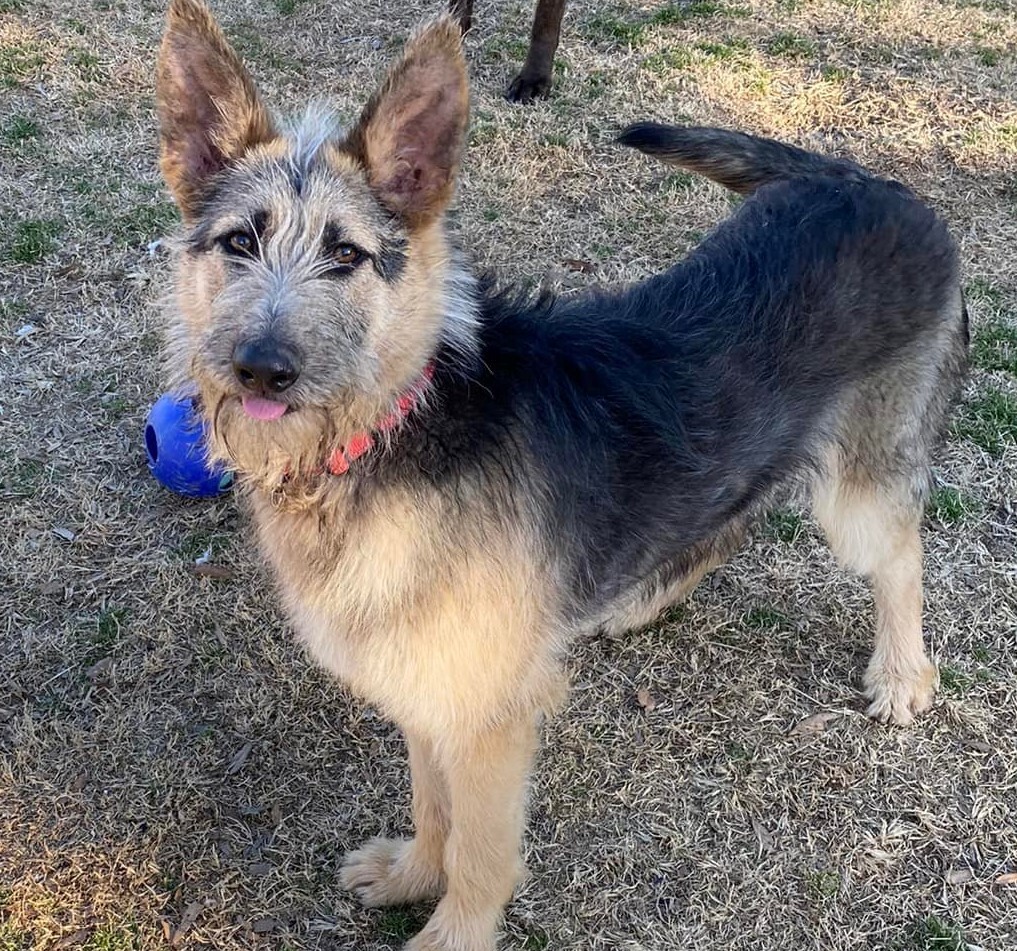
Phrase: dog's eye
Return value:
(347, 254)
(238, 242)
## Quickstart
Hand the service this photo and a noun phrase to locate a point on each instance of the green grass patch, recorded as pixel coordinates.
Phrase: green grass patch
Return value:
(12, 6)
(87, 65)
(989, 420)
(24, 479)
(536, 940)
(834, 74)
(791, 46)
(109, 627)
(785, 525)
(31, 240)
(985, 291)
(935, 934)
(401, 923)
(822, 886)
(13, 938)
(988, 56)
(954, 681)
(18, 63)
(994, 346)
(765, 619)
(609, 27)
(950, 506)
(20, 129)
(287, 7)
(113, 937)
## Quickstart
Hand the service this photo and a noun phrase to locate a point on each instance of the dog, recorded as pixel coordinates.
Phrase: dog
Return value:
(452, 482)
(534, 79)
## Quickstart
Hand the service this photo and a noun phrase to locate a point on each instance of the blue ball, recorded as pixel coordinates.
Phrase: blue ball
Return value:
(175, 446)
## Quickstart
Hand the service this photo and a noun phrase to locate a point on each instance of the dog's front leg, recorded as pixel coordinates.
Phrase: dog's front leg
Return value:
(401, 871)
(486, 778)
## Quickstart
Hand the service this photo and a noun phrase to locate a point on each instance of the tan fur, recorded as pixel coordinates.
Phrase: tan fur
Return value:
(209, 109)
(873, 533)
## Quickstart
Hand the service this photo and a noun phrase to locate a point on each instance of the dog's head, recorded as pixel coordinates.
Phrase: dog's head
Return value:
(313, 279)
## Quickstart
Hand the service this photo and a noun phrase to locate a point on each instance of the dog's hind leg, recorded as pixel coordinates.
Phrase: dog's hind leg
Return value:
(487, 778)
(872, 526)
(402, 871)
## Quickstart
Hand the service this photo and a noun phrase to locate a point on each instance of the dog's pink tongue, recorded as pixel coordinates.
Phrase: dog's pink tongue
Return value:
(257, 408)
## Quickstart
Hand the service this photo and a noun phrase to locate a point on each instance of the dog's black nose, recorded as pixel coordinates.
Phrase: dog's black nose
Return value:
(265, 366)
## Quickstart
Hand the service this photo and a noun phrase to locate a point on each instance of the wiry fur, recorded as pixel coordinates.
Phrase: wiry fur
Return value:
(574, 463)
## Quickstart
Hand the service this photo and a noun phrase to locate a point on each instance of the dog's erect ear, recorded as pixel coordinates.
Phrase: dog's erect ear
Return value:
(410, 136)
(209, 110)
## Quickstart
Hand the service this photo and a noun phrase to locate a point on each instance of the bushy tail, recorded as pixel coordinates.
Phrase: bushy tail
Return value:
(740, 162)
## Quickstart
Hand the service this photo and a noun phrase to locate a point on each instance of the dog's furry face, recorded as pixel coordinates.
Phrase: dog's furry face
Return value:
(325, 252)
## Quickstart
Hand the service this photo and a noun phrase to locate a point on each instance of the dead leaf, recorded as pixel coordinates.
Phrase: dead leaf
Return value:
(78, 783)
(205, 569)
(187, 919)
(1007, 878)
(814, 724)
(65, 533)
(958, 876)
(237, 763)
(264, 925)
(276, 814)
(645, 699)
(582, 267)
(5, 715)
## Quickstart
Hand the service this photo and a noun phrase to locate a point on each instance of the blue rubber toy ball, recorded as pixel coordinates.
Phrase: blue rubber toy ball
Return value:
(175, 446)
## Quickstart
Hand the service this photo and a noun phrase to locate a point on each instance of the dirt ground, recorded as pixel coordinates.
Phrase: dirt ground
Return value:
(174, 771)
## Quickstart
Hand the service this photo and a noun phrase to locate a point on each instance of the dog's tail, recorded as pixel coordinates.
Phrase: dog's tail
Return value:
(740, 162)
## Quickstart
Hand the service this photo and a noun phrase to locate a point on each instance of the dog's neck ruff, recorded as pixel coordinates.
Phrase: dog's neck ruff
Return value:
(339, 460)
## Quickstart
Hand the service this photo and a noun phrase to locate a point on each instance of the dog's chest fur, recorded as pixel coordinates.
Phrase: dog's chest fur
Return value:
(390, 605)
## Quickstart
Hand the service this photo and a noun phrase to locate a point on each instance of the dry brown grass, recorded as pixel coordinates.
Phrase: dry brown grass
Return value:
(170, 765)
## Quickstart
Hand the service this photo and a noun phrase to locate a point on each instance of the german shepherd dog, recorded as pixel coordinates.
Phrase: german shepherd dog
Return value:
(453, 482)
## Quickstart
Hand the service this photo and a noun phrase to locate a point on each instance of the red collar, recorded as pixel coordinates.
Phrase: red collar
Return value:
(339, 460)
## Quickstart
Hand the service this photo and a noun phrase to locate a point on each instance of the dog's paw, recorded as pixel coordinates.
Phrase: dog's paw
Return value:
(897, 696)
(437, 936)
(528, 86)
(391, 872)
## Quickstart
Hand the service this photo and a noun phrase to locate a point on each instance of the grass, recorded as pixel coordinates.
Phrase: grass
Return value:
(951, 506)
(989, 420)
(765, 618)
(111, 937)
(400, 923)
(822, 886)
(13, 938)
(791, 46)
(20, 129)
(785, 525)
(954, 681)
(994, 345)
(31, 240)
(677, 801)
(935, 934)
(19, 62)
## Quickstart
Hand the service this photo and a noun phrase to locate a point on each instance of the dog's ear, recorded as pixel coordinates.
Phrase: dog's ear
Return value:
(209, 110)
(410, 135)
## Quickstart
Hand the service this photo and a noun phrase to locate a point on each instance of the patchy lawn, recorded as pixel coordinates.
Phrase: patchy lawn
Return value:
(172, 769)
